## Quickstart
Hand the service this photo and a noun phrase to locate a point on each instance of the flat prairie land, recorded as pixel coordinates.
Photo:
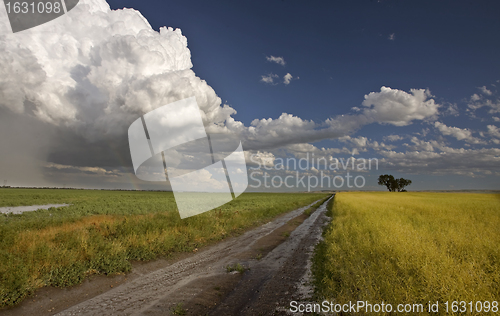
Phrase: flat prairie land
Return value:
(102, 231)
(411, 248)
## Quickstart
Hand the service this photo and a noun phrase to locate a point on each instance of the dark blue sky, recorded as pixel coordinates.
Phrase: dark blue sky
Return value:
(414, 84)
(339, 49)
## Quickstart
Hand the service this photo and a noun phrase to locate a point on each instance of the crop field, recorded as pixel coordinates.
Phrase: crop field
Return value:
(102, 231)
(411, 248)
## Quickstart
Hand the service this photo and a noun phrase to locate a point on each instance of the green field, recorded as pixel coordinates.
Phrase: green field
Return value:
(411, 248)
(102, 231)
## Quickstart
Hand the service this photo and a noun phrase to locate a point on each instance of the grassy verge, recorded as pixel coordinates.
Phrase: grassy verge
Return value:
(410, 248)
(104, 230)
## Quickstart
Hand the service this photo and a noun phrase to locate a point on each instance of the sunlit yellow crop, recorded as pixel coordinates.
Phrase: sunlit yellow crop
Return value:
(411, 248)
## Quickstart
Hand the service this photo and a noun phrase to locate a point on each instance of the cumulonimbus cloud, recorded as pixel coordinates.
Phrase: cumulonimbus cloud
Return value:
(95, 70)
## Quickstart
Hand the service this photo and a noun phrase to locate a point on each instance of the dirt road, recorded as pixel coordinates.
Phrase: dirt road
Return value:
(275, 258)
(201, 284)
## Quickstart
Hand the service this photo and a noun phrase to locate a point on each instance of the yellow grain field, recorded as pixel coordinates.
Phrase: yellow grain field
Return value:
(412, 248)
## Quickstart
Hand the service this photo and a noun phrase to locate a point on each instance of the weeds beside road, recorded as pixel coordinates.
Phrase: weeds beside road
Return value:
(102, 231)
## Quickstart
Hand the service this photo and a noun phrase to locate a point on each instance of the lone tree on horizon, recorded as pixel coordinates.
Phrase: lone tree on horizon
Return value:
(393, 184)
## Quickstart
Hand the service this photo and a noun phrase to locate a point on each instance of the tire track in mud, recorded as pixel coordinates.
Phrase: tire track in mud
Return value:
(283, 275)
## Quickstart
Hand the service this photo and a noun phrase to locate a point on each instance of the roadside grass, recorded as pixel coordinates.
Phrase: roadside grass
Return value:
(102, 231)
(179, 309)
(406, 248)
(236, 267)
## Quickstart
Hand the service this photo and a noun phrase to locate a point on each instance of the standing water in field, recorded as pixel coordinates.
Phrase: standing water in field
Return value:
(22, 209)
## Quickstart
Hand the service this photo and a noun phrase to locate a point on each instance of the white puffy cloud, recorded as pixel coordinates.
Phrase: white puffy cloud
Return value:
(259, 159)
(436, 157)
(287, 129)
(376, 145)
(278, 60)
(269, 78)
(95, 70)
(397, 107)
(199, 180)
(451, 110)
(362, 144)
(393, 138)
(392, 37)
(487, 99)
(309, 151)
(442, 160)
(493, 105)
(287, 78)
(475, 97)
(458, 133)
(421, 145)
(359, 141)
(493, 131)
(390, 106)
(485, 90)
